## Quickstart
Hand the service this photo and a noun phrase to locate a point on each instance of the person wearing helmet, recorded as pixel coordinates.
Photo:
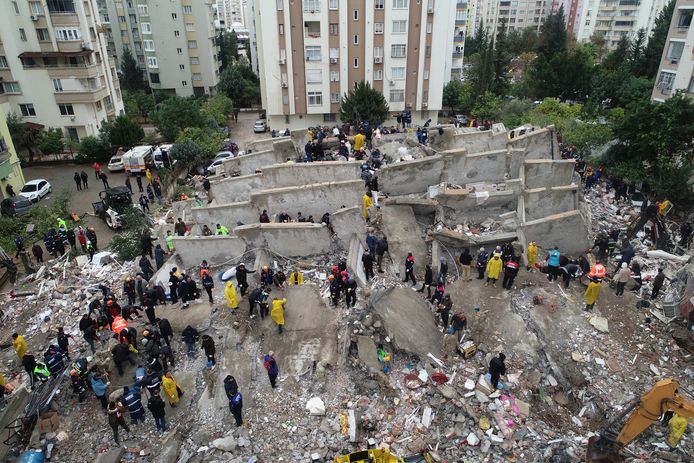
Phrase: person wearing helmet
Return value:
(79, 385)
(263, 301)
(334, 289)
(592, 292)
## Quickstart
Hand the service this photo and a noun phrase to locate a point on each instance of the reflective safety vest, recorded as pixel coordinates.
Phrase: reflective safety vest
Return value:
(119, 324)
(598, 271)
(41, 372)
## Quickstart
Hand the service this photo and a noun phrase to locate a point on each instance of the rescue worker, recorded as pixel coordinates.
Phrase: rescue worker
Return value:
(482, 259)
(221, 230)
(158, 409)
(171, 388)
(235, 399)
(592, 293)
(553, 264)
(190, 336)
(132, 400)
(428, 281)
(230, 295)
(510, 272)
(263, 302)
(568, 272)
(210, 350)
(494, 269)
(367, 260)
(278, 313)
(658, 283)
(497, 368)
(296, 278)
(334, 289)
(409, 269)
(208, 284)
(242, 277)
(270, 365)
(350, 292)
(20, 345)
(531, 254)
(367, 202)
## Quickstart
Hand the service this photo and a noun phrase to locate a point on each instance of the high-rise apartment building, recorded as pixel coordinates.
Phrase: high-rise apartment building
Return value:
(676, 71)
(230, 13)
(312, 52)
(516, 14)
(172, 40)
(616, 18)
(54, 67)
(459, 34)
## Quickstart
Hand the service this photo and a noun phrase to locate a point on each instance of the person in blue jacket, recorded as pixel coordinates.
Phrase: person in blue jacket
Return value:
(272, 369)
(133, 401)
(231, 389)
(553, 264)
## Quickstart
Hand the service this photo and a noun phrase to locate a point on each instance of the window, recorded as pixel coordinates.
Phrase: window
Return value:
(181, 67)
(425, 76)
(36, 8)
(356, 63)
(355, 15)
(378, 28)
(11, 87)
(332, 4)
(400, 26)
(194, 60)
(398, 73)
(192, 44)
(334, 76)
(105, 18)
(16, 7)
(146, 28)
(123, 33)
(152, 62)
(311, 6)
(314, 76)
(400, 4)
(154, 77)
(149, 45)
(378, 52)
(60, 6)
(430, 27)
(190, 27)
(281, 29)
(179, 51)
(187, 9)
(133, 19)
(674, 51)
(427, 51)
(280, 5)
(330, 117)
(665, 81)
(22, 35)
(378, 4)
(355, 40)
(334, 29)
(3, 62)
(334, 97)
(174, 16)
(57, 85)
(315, 98)
(397, 51)
(312, 53)
(42, 35)
(285, 99)
(184, 83)
(177, 34)
(27, 109)
(142, 9)
(378, 74)
(66, 109)
(397, 96)
(197, 76)
(334, 54)
(685, 19)
(121, 19)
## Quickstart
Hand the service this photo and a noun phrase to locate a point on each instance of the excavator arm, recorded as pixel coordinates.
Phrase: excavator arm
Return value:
(651, 407)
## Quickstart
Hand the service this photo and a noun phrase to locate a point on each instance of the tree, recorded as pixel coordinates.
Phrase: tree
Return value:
(218, 108)
(228, 48)
(653, 52)
(472, 44)
(514, 113)
(23, 137)
(501, 61)
(619, 56)
(175, 114)
(553, 37)
(451, 94)
(636, 51)
(50, 141)
(93, 148)
(488, 106)
(187, 153)
(521, 41)
(363, 103)
(123, 132)
(208, 140)
(131, 74)
(240, 83)
(599, 44)
(566, 75)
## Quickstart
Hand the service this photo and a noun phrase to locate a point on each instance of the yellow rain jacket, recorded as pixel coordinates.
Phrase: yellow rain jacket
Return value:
(368, 202)
(20, 346)
(677, 425)
(592, 292)
(532, 254)
(296, 278)
(230, 294)
(278, 311)
(171, 389)
(148, 174)
(358, 141)
(494, 267)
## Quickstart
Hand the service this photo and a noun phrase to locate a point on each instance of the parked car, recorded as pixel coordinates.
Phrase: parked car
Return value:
(462, 119)
(212, 168)
(15, 205)
(224, 155)
(34, 190)
(161, 154)
(229, 146)
(116, 163)
(260, 126)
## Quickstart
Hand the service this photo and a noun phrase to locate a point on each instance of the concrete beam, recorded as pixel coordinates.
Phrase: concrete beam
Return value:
(540, 202)
(234, 189)
(226, 214)
(216, 249)
(287, 239)
(248, 163)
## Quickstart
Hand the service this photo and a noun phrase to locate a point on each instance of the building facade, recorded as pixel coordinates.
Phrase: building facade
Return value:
(616, 18)
(231, 12)
(516, 14)
(676, 71)
(174, 41)
(10, 168)
(54, 66)
(459, 34)
(312, 52)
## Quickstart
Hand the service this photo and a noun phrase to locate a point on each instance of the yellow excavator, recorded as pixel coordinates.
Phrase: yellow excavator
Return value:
(381, 456)
(643, 412)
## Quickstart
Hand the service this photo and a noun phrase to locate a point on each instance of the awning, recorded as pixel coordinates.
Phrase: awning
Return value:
(55, 54)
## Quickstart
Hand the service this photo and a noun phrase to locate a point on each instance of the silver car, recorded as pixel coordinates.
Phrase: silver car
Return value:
(260, 126)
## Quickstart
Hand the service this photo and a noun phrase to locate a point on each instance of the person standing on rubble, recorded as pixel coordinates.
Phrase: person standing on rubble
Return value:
(173, 286)
(621, 279)
(553, 258)
(146, 267)
(350, 292)
(497, 368)
(367, 260)
(132, 400)
(510, 271)
(20, 345)
(409, 269)
(381, 249)
(494, 269)
(465, 261)
(627, 254)
(482, 259)
(231, 389)
(190, 336)
(658, 283)
(158, 409)
(592, 293)
(242, 278)
(277, 312)
(263, 301)
(210, 350)
(99, 385)
(273, 370)
(428, 281)
(531, 255)
(443, 270)
(63, 343)
(636, 271)
(116, 419)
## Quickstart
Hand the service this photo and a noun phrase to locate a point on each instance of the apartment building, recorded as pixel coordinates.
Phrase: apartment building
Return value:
(10, 168)
(617, 18)
(172, 40)
(459, 34)
(312, 52)
(516, 14)
(54, 67)
(676, 69)
(572, 13)
(231, 12)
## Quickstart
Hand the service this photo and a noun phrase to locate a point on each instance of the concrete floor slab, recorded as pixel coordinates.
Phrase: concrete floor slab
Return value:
(404, 235)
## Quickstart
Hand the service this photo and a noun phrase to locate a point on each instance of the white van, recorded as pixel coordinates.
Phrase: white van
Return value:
(159, 156)
(137, 159)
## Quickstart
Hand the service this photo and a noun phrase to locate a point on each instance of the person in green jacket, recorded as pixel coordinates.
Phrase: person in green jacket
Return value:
(169, 241)
(222, 230)
(62, 224)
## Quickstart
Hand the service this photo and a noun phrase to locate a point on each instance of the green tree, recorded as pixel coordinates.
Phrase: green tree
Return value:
(363, 103)
(553, 36)
(228, 49)
(599, 44)
(472, 44)
(131, 74)
(619, 56)
(653, 52)
(207, 139)
(177, 113)
(487, 106)
(50, 141)
(186, 153)
(566, 75)
(93, 148)
(23, 136)
(521, 41)
(501, 62)
(218, 108)
(514, 113)
(636, 51)
(451, 94)
(123, 132)
(240, 84)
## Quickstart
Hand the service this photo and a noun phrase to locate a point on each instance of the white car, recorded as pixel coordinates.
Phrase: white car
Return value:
(212, 168)
(260, 126)
(116, 164)
(224, 155)
(34, 190)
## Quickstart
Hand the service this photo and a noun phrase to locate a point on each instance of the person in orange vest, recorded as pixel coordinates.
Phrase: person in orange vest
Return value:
(598, 271)
(119, 324)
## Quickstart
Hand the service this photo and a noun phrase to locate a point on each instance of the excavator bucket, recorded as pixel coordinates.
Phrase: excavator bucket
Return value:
(602, 450)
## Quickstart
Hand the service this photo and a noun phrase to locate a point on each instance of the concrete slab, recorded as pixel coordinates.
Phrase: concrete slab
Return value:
(112, 456)
(408, 321)
(368, 353)
(400, 226)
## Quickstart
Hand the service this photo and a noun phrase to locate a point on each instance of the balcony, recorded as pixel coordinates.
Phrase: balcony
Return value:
(70, 46)
(461, 5)
(6, 168)
(81, 96)
(457, 54)
(459, 39)
(312, 29)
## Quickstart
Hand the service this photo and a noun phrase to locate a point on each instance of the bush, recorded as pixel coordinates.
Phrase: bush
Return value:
(127, 243)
